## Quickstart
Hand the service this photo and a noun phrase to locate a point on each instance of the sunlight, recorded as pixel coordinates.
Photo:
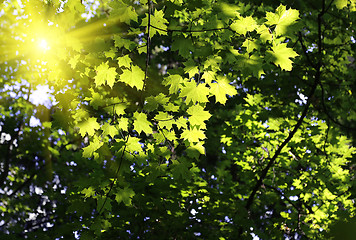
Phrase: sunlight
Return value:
(44, 45)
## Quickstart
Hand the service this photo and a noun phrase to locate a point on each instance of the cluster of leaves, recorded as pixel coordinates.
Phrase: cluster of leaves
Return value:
(178, 119)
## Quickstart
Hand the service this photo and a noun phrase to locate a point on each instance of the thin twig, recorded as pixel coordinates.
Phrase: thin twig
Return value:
(116, 176)
(147, 50)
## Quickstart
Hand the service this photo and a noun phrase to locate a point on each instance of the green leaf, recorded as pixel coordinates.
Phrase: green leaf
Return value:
(180, 169)
(340, 4)
(122, 42)
(103, 200)
(141, 124)
(265, 33)
(244, 25)
(175, 83)
(74, 60)
(280, 55)
(105, 74)
(193, 135)
(222, 88)
(89, 126)
(183, 45)
(133, 77)
(157, 20)
(124, 61)
(198, 116)
(125, 195)
(110, 54)
(164, 120)
(249, 45)
(122, 12)
(133, 145)
(88, 192)
(153, 102)
(282, 19)
(110, 130)
(94, 145)
(209, 76)
(124, 123)
(181, 122)
(194, 92)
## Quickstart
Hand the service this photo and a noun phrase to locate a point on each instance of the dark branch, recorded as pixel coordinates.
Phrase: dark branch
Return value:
(305, 51)
(116, 176)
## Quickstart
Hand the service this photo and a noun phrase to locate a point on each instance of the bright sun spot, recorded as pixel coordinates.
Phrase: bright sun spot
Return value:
(43, 45)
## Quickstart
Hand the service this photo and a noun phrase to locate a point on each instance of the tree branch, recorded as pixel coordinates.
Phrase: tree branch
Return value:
(305, 51)
(116, 176)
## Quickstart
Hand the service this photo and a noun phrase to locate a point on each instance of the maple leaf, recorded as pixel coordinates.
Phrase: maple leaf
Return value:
(244, 25)
(109, 130)
(175, 82)
(89, 150)
(102, 201)
(209, 76)
(124, 124)
(104, 73)
(191, 68)
(249, 45)
(125, 195)
(89, 126)
(133, 145)
(282, 19)
(280, 55)
(194, 93)
(122, 42)
(88, 192)
(181, 122)
(222, 88)
(198, 116)
(183, 45)
(124, 61)
(123, 12)
(171, 107)
(164, 120)
(153, 102)
(193, 135)
(340, 4)
(110, 54)
(133, 77)
(141, 123)
(265, 33)
(157, 19)
(74, 60)
(180, 170)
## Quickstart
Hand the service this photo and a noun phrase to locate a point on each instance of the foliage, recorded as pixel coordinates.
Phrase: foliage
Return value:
(177, 119)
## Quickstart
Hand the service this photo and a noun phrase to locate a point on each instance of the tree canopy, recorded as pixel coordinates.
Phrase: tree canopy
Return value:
(174, 119)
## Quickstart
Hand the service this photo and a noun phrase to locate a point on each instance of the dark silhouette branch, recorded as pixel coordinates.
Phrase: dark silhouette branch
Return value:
(305, 51)
(300, 120)
(285, 142)
(116, 176)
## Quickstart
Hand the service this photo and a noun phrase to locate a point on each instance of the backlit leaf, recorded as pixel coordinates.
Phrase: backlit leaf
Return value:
(105, 74)
(133, 77)
(88, 126)
(280, 55)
